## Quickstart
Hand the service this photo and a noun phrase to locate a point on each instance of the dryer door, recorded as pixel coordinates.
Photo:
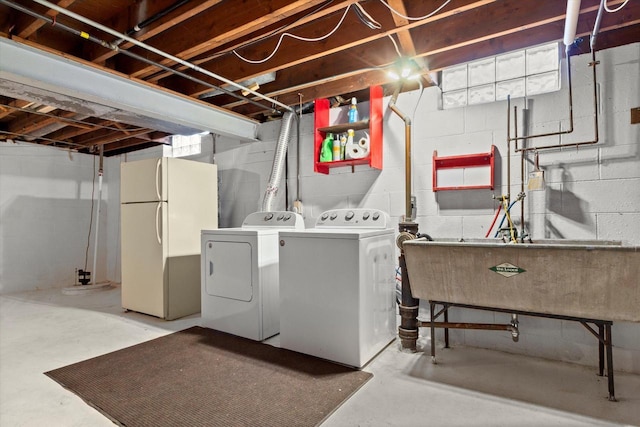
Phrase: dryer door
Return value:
(229, 270)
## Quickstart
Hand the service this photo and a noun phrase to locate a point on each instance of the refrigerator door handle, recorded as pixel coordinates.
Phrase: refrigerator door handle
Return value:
(158, 164)
(158, 208)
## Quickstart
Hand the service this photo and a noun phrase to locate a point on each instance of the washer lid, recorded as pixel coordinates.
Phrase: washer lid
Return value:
(335, 233)
(236, 231)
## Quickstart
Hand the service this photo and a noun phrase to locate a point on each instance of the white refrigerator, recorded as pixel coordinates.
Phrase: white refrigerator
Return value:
(165, 203)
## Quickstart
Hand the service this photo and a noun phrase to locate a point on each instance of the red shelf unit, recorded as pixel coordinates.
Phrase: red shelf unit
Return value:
(373, 124)
(464, 161)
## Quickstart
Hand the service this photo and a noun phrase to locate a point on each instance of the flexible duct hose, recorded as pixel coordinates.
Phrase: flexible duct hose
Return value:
(278, 162)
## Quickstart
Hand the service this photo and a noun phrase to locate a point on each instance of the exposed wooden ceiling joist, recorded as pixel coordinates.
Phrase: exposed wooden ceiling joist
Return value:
(206, 31)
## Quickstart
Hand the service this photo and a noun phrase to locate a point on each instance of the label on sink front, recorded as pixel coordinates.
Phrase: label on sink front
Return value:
(507, 270)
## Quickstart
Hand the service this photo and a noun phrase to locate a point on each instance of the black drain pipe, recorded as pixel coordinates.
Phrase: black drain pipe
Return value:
(150, 20)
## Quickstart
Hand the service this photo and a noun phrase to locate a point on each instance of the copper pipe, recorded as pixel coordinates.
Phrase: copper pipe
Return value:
(407, 151)
(593, 64)
(541, 135)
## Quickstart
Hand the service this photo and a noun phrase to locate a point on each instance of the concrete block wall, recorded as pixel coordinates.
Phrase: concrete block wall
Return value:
(591, 193)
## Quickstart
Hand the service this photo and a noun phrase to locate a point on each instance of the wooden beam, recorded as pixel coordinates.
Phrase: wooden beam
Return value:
(228, 47)
(13, 106)
(173, 19)
(34, 25)
(69, 133)
(32, 123)
(461, 49)
(406, 41)
(214, 32)
(294, 53)
(111, 137)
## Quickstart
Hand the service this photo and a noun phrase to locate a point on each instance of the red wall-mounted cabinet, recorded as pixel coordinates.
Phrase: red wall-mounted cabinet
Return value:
(373, 125)
(465, 161)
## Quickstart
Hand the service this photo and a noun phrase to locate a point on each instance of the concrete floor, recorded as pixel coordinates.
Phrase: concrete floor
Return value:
(44, 330)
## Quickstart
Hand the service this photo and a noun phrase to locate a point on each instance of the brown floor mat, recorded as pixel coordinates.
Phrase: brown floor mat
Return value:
(202, 377)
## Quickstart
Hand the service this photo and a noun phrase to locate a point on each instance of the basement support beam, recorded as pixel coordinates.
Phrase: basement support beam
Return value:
(46, 71)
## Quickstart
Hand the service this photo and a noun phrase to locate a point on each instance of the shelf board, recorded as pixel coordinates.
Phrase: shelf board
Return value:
(343, 127)
(324, 167)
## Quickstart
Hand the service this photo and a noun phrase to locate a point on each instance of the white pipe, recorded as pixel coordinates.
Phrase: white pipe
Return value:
(95, 241)
(596, 27)
(157, 51)
(571, 22)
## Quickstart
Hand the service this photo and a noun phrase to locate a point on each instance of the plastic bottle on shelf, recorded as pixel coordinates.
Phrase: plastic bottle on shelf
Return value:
(336, 149)
(343, 144)
(326, 151)
(353, 111)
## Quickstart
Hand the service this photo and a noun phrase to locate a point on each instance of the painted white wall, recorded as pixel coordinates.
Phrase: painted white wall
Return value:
(592, 192)
(45, 212)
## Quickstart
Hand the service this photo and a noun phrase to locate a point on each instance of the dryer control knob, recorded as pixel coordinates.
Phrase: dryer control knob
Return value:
(324, 216)
(333, 216)
(268, 216)
(365, 215)
(375, 216)
(349, 216)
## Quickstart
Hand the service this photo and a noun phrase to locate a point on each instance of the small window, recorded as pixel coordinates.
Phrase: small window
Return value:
(521, 73)
(184, 145)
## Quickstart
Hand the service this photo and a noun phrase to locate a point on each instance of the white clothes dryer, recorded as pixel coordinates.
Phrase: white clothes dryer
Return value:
(240, 293)
(337, 286)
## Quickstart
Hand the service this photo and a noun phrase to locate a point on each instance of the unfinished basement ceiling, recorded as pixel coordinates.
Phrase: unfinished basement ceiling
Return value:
(215, 34)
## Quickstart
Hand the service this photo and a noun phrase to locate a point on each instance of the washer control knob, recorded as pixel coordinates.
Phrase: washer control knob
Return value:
(333, 216)
(365, 215)
(287, 217)
(279, 218)
(324, 216)
(375, 216)
(349, 216)
(268, 216)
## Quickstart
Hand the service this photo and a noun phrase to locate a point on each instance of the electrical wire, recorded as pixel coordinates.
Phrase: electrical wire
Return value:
(304, 39)
(606, 7)
(415, 18)
(365, 18)
(93, 189)
(395, 44)
(266, 36)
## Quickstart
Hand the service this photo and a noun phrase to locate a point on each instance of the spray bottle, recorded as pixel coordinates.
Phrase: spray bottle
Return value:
(353, 111)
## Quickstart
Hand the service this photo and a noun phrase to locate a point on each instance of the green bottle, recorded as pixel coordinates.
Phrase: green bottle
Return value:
(326, 151)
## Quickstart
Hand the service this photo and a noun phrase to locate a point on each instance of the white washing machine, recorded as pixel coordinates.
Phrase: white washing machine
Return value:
(337, 286)
(240, 293)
